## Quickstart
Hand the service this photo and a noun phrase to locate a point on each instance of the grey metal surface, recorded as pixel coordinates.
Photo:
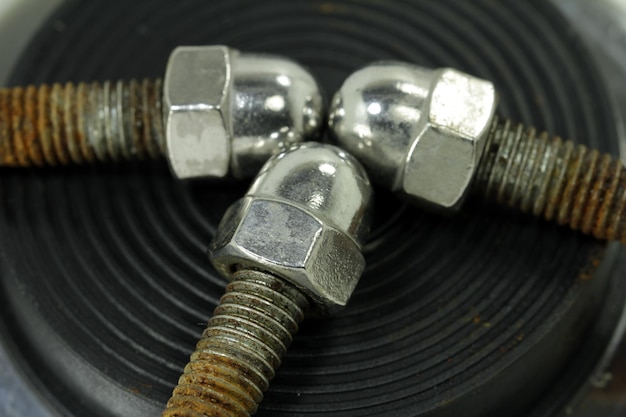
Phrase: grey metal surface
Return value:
(196, 108)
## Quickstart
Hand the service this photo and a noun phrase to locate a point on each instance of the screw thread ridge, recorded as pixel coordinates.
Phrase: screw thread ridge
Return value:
(240, 349)
(556, 179)
(80, 123)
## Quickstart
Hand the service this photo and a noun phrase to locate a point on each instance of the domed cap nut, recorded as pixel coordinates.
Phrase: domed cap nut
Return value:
(303, 219)
(419, 132)
(226, 113)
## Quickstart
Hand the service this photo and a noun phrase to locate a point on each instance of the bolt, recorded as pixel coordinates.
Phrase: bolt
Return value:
(433, 137)
(290, 247)
(556, 179)
(209, 117)
(82, 123)
(241, 348)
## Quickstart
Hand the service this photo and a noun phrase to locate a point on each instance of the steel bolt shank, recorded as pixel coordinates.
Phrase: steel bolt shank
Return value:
(63, 124)
(555, 179)
(241, 348)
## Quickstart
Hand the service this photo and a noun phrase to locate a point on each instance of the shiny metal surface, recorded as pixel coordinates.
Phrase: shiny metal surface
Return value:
(304, 219)
(226, 113)
(196, 100)
(419, 132)
(276, 104)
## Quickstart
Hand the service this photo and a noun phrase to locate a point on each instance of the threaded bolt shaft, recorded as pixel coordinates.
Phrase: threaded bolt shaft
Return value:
(241, 348)
(556, 179)
(62, 124)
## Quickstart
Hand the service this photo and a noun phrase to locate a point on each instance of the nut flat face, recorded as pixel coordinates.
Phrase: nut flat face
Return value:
(196, 100)
(444, 157)
(277, 233)
(291, 243)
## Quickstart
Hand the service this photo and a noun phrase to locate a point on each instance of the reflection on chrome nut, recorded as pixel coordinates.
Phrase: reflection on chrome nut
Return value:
(420, 132)
(276, 104)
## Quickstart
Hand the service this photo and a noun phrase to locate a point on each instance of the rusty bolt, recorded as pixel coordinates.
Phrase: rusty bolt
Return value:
(291, 245)
(63, 124)
(218, 112)
(432, 136)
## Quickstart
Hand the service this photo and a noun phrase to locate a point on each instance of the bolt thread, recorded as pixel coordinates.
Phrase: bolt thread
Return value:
(556, 179)
(241, 348)
(63, 124)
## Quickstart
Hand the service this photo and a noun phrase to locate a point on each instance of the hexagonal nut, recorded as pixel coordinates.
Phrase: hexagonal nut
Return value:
(443, 159)
(196, 105)
(291, 243)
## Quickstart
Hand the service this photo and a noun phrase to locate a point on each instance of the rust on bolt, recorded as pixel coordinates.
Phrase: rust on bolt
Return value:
(556, 179)
(224, 376)
(62, 124)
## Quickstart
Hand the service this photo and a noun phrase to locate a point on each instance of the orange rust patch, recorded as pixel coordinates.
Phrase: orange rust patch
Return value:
(17, 117)
(44, 124)
(588, 271)
(595, 216)
(6, 147)
(30, 126)
(57, 123)
(80, 112)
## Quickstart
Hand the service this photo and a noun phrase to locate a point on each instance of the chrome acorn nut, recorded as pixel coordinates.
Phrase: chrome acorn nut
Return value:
(217, 113)
(419, 132)
(432, 136)
(228, 112)
(290, 247)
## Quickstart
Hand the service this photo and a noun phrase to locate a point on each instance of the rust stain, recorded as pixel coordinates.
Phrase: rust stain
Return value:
(565, 182)
(327, 8)
(55, 124)
(69, 122)
(594, 260)
(30, 127)
(44, 125)
(6, 147)
(17, 117)
(142, 388)
(79, 111)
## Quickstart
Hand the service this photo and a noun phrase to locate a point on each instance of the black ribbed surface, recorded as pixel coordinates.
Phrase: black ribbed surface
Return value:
(461, 312)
